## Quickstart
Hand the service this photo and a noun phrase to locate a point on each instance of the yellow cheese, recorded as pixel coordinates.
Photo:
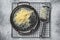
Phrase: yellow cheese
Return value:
(43, 13)
(22, 16)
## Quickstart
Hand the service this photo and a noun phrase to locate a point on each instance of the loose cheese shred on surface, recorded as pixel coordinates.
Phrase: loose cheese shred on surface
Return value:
(22, 16)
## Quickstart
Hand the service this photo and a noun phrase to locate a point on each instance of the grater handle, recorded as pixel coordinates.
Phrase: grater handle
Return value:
(43, 30)
(24, 3)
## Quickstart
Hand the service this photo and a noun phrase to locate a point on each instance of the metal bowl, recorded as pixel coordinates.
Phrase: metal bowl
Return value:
(34, 20)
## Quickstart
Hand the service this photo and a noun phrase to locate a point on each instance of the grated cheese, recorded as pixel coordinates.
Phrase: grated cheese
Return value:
(22, 16)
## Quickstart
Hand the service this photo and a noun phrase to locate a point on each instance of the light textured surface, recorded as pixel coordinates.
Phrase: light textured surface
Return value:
(5, 26)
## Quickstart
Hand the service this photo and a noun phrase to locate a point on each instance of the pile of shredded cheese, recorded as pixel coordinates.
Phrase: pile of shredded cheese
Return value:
(22, 16)
(43, 13)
